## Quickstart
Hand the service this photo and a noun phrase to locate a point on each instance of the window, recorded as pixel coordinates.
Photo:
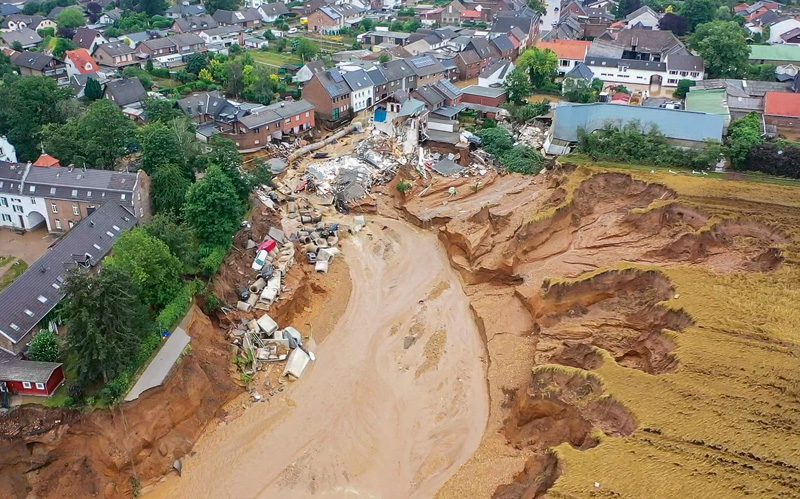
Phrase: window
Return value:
(564, 62)
(672, 80)
(6, 218)
(673, 72)
(695, 74)
(54, 207)
(17, 209)
(29, 312)
(74, 192)
(52, 190)
(42, 298)
(122, 197)
(40, 386)
(71, 224)
(307, 114)
(88, 194)
(58, 224)
(14, 326)
(32, 188)
(97, 246)
(75, 210)
(297, 118)
(26, 384)
(4, 202)
(684, 73)
(33, 200)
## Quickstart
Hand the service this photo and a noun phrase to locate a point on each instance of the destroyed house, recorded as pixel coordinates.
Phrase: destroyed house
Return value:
(26, 302)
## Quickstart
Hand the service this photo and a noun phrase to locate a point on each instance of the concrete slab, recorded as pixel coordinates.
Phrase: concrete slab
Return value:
(159, 368)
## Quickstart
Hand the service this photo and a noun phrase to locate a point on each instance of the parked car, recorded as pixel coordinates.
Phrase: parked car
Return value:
(671, 105)
(261, 259)
(292, 31)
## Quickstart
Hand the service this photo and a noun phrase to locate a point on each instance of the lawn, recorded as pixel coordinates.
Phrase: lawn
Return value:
(15, 270)
(165, 82)
(273, 58)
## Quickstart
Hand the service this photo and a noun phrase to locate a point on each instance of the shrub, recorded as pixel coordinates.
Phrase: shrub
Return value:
(45, 347)
(522, 159)
(210, 264)
(177, 307)
(404, 186)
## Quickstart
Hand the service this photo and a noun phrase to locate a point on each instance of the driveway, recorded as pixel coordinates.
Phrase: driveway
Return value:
(29, 246)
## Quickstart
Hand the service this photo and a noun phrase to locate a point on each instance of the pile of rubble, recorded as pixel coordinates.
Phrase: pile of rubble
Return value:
(532, 136)
(279, 258)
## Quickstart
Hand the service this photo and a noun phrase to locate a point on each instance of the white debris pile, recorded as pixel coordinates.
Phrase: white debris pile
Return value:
(274, 257)
(262, 341)
(532, 136)
(347, 175)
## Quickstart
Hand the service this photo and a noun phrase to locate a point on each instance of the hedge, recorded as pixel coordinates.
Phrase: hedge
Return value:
(176, 309)
(210, 263)
(119, 385)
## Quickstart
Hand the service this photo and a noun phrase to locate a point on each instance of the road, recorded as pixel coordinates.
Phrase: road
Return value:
(371, 418)
(160, 366)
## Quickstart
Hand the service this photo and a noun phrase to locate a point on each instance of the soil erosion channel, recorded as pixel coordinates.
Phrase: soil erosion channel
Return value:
(395, 403)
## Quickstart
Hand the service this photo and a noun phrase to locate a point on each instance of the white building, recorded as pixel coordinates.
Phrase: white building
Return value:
(7, 150)
(361, 85)
(653, 74)
(495, 73)
(643, 17)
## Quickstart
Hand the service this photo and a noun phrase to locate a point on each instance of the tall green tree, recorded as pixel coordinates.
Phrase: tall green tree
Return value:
(160, 147)
(180, 238)
(6, 68)
(540, 64)
(215, 5)
(98, 138)
(27, 103)
(196, 62)
(518, 86)
(722, 45)
(152, 7)
(93, 90)
(163, 110)
(169, 186)
(106, 320)
(213, 208)
(306, 48)
(71, 17)
(61, 47)
(149, 261)
(698, 11)
(45, 347)
(225, 155)
(234, 78)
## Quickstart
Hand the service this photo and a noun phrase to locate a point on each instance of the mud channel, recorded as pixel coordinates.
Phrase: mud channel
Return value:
(395, 403)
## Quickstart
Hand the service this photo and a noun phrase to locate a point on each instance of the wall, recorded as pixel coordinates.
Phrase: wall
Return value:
(783, 122)
(484, 101)
(55, 380)
(361, 98)
(28, 205)
(59, 222)
(318, 20)
(639, 77)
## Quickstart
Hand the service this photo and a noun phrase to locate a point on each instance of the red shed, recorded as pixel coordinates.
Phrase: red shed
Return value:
(27, 377)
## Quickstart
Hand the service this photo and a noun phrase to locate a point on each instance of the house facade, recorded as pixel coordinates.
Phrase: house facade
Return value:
(25, 377)
(362, 89)
(329, 93)
(115, 55)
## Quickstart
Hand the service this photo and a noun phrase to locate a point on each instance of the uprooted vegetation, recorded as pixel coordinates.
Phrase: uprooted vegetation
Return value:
(573, 272)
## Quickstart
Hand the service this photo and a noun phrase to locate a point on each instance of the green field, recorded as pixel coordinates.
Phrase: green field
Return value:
(274, 58)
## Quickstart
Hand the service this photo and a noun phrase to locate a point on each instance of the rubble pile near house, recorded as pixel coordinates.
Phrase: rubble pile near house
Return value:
(531, 136)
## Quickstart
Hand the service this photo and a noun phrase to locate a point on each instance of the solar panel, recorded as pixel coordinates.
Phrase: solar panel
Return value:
(336, 76)
(423, 62)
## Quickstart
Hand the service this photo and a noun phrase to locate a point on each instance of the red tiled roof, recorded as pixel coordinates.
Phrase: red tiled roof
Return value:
(741, 7)
(46, 160)
(757, 13)
(618, 24)
(782, 104)
(472, 14)
(567, 49)
(82, 60)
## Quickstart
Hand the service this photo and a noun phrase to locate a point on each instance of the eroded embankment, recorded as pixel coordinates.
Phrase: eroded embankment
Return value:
(551, 251)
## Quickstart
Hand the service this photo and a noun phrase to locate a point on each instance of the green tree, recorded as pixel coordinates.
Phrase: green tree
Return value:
(540, 64)
(215, 5)
(263, 87)
(761, 72)
(518, 86)
(93, 90)
(169, 186)
(683, 88)
(743, 135)
(163, 110)
(160, 147)
(71, 17)
(149, 261)
(45, 347)
(625, 7)
(17, 45)
(27, 103)
(196, 62)
(6, 68)
(213, 208)
(306, 49)
(698, 12)
(537, 6)
(235, 50)
(234, 78)
(152, 7)
(384, 57)
(495, 140)
(179, 238)
(722, 45)
(106, 320)
(367, 24)
(279, 45)
(61, 47)
(225, 155)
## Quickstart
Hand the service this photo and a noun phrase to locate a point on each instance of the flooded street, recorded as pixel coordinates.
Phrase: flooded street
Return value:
(395, 403)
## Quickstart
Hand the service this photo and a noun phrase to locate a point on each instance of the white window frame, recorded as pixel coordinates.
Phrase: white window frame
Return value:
(76, 210)
(58, 224)
(54, 207)
(26, 385)
(40, 386)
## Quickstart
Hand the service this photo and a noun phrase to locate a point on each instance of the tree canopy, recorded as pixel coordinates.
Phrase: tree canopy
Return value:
(722, 45)
(45, 347)
(679, 25)
(180, 239)
(27, 103)
(517, 85)
(213, 208)
(98, 138)
(169, 186)
(215, 5)
(698, 12)
(306, 48)
(151, 265)
(93, 90)
(71, 17)
(540, 64)
(105, 319)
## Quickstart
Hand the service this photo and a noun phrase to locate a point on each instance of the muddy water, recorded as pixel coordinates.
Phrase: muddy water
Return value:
(370, 418)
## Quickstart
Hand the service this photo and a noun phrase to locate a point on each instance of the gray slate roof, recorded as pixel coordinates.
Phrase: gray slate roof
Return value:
(25, 36)
(32, 60)
(396, 70)
(84, 37)
(357, 80)
(376, 75)
(580, 71)
(424, 65)
(481, 47)
(334, 83)
(89, 185)
(507, 23)
(673, 123)
(677, 62)
(236, 16)
(483, 91)
(631, 63)
(497, 66)
(38, 289)
(274, 9)
(11, 176)
(429, 95)
(503, 43)
(125, 91)
(196, 23)
(27, 370)
(6, 9)
(115, 48)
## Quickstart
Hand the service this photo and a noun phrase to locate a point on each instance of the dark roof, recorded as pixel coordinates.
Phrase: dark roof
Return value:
(481, 47)
(38, 289)
(685, 63)
(115, 48)
(84, 37)
(316, 66)
(89, 185)
(518, 33)
(505, 24)
(376, 75)
(274, 9)
(53, 13)
(497, 66)
(396, 70)
(424, 65)
(125, 91)
(357, 80)
(6, 9)
(503, 43)
(610, 62)
(31, 21)
(196, 23)
(205, 103)
(650, 40)
(334, 83)
(236, 16)
(429, 95)
(25, 36)
(469, 56)
(187, 10)
(11, 176)
(580, 71)
(446, 88)
(32, 60)
(27, 370)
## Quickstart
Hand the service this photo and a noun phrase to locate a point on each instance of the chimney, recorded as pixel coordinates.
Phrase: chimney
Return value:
(71, 166)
